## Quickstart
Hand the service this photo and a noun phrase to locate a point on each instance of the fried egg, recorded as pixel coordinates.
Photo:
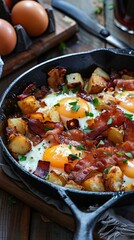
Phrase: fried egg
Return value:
(57, 155)
(69, 106)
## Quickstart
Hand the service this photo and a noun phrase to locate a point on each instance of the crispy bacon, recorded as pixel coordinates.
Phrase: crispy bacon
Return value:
(36, 126)
(42, 169)
(107, 119)
(56, 78)
(96, 160)
(27, 91)
(83, 94)
(129, 130)
(73, 123)
(41, 93)
(124, 84)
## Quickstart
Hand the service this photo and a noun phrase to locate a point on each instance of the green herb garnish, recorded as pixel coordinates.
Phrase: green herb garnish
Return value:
(95, 101)
(57, 105)
(74, 106)
(124, 160)
(101, 142)
(108, 154)
(74, 90)
(110, 120)
(80, 147)
(89, 114)
(107, 170)
(22, 157)
(73, 157)
(65, 89)
(47, 128)
(129, 116)
(87, 130)
(129, 155)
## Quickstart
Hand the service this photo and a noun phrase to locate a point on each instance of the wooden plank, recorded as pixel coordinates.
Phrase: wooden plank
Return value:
(20, 191)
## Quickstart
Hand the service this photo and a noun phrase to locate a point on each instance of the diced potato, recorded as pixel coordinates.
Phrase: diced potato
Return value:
(102, 73)
(74, 80)
(96, 84)
(128, 187)
(50, 114)
(20, 144)
(71, 184)
(94, 183)
(113, 179)
(37, 115)
(106, 102)
(28, 105)
(127, 77)
(17, 123)
(56, 178)
(115, 135)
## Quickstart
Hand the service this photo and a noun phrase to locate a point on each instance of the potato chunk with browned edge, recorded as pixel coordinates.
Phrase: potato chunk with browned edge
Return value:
(28, 105)
(113, 178)
(20, 145)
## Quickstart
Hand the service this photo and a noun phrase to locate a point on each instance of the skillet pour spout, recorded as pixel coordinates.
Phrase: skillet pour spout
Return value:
(83, 63)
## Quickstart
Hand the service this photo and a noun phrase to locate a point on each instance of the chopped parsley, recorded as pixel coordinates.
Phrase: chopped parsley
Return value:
(89, 114)
(101, 142)
(120, 153)
(74, 106)
(57, 105)
(107, 170)
(95, 101)
(65, 89)
(130, 95)
(80, 147)
(87, 130)
(73, 157)
(129, 155)
(22, 157)
(129, 116)
(108, 154)
(110, 120)
(47, 128)
(74, 90)
(124, 160)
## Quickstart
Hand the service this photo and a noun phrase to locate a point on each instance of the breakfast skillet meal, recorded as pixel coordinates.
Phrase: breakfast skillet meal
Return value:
(76, 132)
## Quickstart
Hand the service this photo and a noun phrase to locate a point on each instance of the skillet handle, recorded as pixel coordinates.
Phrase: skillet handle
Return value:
(86, 221)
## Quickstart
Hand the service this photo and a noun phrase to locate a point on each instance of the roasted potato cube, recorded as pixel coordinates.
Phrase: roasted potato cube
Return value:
(56, 178)
(37, 115)
(113, 178)
(94, 183)
(115, 135)
(74, 80)
(106, 102)
(17, 123)
(71, 184)
(128, 187)
(102, 73)
(96, 84)
(28, 105)
(50, 114)
(20, 144)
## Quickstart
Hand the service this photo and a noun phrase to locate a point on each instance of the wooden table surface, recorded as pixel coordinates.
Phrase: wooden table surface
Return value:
(19, 221)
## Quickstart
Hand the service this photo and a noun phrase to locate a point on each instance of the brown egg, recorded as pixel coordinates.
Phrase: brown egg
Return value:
(8, 38)
(32, 16)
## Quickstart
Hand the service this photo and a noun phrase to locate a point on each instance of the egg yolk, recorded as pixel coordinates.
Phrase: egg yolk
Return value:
(58, 155)
(126, 100)
(128, 168)
(72, 107)
(128, 104)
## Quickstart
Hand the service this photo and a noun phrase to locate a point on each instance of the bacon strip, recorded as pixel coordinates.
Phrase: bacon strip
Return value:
(124, 84)
(56, 78)
(129, 130)
(28, 91)
(42, 169)
(106, 120)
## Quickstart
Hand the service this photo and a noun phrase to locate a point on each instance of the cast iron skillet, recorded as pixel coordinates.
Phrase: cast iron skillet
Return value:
(84, 63)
